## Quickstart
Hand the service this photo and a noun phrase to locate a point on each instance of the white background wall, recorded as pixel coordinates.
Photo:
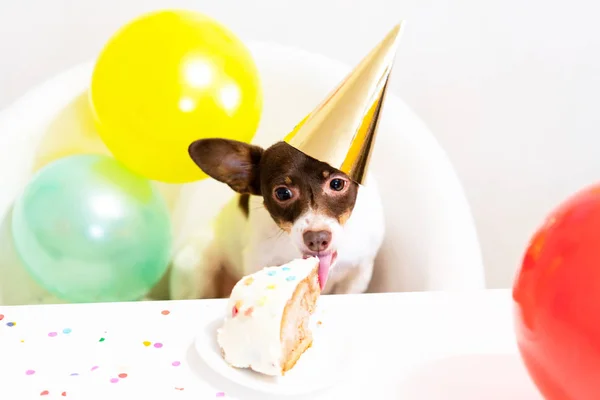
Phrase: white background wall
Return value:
(510, 88)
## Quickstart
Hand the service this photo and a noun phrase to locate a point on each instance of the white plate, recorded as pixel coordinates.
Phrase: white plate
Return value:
(321, 366)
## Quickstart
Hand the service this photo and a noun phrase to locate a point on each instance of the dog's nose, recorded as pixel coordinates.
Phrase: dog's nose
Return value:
(317, 240)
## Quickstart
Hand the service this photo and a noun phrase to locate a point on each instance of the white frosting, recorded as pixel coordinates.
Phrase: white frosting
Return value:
(251, 338)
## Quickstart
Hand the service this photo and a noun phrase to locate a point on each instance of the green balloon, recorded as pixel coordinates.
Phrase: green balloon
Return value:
(90, 230)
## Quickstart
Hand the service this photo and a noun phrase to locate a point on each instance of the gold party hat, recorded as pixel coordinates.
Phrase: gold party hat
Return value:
(341, 130)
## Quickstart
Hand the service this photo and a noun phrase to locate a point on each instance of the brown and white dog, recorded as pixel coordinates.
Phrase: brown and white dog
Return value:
(289, 206)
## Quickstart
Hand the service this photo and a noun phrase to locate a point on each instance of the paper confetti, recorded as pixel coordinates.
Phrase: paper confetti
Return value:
(117, 376)
(290, 278)
(271, 273)
(271, 287)
(285, 269)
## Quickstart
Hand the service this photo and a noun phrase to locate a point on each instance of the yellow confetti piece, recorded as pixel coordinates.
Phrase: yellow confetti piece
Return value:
(262, 301)
(146, 344)
(249, 281)
(238, 304)
(271, 286)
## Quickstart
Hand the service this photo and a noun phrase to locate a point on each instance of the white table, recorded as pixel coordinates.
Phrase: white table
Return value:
(436, 345)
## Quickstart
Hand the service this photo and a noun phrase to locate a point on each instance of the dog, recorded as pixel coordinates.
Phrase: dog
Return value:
(288, 206)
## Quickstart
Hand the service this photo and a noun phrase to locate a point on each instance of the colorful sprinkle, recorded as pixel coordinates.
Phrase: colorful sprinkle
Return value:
(95, 367)
(271, 286)
(176, 363)
(52, 334)
(249, 311)
(75, 374)
(114, 380)
(101, 339)
(285, 268)
(1, 317)
(220, 394)
(122, 376)
(262, 301)
(66, 331)
(178, 388)
(236, 308)
(146, 343)
(29, 372)
(22, 341)
(11, 324)
(45, 393)
(64, 394)
(158, 345)
(271, 273)
(290, 278)
(165, 312)
(248, 281)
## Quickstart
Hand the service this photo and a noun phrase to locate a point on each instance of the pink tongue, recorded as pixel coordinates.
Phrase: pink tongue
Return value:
(324, 264)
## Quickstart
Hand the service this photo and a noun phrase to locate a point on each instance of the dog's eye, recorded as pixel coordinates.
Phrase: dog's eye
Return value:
(337, 184)
(283, 193)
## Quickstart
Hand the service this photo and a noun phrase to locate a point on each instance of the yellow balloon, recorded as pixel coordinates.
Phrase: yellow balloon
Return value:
(167, 79)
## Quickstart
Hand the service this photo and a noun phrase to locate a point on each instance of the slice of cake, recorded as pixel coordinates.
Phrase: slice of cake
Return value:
(266, 328)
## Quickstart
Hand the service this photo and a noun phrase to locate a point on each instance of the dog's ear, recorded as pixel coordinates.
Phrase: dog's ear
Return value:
(229, 161)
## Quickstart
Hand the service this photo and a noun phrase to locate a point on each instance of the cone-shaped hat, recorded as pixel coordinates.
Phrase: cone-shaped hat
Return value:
(341, 130)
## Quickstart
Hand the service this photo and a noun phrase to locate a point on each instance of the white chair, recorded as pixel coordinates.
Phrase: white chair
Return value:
(431, 241)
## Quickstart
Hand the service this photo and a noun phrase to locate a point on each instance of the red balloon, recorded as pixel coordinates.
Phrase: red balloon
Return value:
(557, 301)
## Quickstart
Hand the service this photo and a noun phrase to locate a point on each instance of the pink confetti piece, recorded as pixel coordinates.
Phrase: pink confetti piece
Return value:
(95, 367)
(176, 363)
(158, 345)
(45, 393)
(1, 317)
(52, 334)
(29, 372)
(220, 394)
(114, 380)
